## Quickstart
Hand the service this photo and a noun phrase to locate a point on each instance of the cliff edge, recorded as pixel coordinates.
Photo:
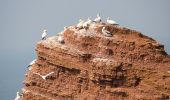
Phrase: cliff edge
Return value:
(88, 65)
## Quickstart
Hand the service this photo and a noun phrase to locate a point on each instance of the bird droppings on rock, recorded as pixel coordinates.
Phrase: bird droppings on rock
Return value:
(91, 66)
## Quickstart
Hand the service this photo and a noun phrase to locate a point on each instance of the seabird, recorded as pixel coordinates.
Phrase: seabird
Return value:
(89, 21)
(32, 62)
(44, 34)
(98, 18)
(18, 97)
(106, 32)
(60, 39)
(109, 21)
(65, 27)
(45, 76)
(85, 25)
(80, 24)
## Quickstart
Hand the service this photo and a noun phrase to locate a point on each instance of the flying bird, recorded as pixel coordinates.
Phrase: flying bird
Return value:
(98, 18)
(18, 97)
(106, 32)
(45, 76)
(109, 21)
(44, 34)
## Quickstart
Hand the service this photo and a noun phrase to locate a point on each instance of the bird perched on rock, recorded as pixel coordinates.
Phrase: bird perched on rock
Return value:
(44, 34)
(109, 21)
(45, 76)
(60, 39)
(65, 27)
(80, 24)
(106, 32)
(32, 62)
(87, 23)
(98, 18)
(18, 97)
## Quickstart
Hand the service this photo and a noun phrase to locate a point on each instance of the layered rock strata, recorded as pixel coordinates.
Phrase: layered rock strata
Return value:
(91, 66)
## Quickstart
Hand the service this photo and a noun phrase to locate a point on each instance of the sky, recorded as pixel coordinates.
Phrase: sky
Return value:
(22, 22)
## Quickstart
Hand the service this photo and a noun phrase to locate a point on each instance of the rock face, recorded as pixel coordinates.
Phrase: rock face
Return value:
(91, 66)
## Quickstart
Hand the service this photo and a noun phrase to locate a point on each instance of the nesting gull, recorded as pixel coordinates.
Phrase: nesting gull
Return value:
(106, 32)
(44, 34)
(98, 18)
(45, 76)
(109, 21)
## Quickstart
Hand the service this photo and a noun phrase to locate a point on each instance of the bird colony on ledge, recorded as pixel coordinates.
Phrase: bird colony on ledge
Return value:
(81, 25)
(97, 60)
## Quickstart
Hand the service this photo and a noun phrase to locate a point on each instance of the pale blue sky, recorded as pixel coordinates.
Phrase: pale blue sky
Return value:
(21, 22)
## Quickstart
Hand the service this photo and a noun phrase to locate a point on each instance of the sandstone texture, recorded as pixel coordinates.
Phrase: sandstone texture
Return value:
(91, 66)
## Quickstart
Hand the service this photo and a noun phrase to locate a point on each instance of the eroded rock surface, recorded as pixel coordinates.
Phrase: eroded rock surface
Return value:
(91, 66)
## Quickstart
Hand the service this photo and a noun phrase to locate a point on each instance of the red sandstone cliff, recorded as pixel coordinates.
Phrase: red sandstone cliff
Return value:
(91, 66)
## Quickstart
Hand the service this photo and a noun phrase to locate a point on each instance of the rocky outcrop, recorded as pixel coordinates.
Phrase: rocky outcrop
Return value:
(91, 66)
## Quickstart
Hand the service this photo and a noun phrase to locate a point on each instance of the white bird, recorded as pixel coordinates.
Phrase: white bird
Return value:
(89, 21)
(97, 19)
(60, 39)
(109, 21)
(18, 97)
(65, 27)
(44, 34)
(85, 25)
(32, 62)
(80, 24)
(45, 76)
(106, 32)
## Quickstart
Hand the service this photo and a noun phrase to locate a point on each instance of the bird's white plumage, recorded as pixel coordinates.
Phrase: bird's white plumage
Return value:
(32, 62)
(109, 21)
(18, 96)
(97, 19)
(44, 34)
(45, 76)
(60, 39)
(85, 25)
(106, 32)
(80, 24)
(65, 27)
(89, 21)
